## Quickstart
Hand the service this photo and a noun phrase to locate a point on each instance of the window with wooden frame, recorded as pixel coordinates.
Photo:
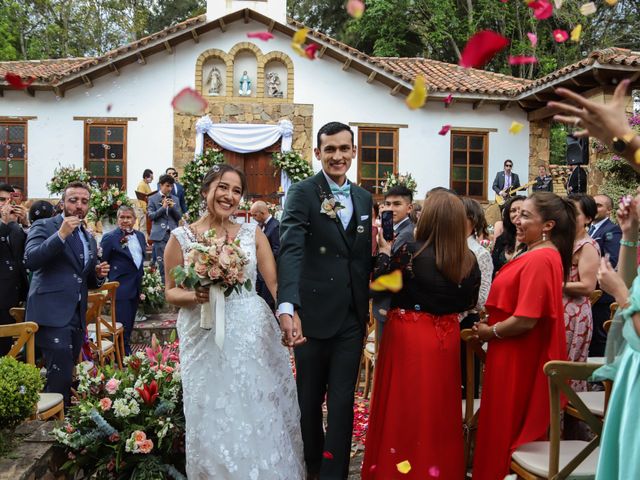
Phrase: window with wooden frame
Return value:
(13, 153)
(468, 174)
(105, 153)
(377, 156)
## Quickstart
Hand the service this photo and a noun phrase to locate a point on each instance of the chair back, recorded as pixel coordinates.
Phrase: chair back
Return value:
(18, 314)
(95, 302)
(475, 353)
(24, 334)
(595, 296)
(110, 289)
(613, 308)
(559, 373)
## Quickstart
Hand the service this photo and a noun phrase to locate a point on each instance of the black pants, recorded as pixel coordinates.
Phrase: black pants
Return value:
(60, 347)
(126, 314)
(329, 367)
(601, 312)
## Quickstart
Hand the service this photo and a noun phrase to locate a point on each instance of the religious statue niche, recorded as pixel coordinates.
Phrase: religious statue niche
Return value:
(214, 72)
(245, 85)
(273, 85)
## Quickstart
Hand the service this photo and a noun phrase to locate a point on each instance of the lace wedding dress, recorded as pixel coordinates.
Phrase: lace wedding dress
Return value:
(240, 402)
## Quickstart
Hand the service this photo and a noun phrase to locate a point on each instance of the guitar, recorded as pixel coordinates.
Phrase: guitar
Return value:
(500, 200)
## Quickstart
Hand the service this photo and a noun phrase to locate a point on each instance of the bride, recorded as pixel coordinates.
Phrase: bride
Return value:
(240, 401)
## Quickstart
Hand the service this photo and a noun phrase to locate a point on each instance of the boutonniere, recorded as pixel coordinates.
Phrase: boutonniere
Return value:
(124, 241)
(330, 207)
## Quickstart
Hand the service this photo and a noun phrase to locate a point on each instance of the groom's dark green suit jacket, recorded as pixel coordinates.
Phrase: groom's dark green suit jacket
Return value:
(323, 269)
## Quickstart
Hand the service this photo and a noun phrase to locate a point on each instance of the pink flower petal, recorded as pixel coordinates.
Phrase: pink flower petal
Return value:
(310, 50)
(560, 36)
(522, 59)
(481, 48)
(264, 36)
(355, 8)
(541, 9)
(327, 455)
(448, 100)
(189, 101)
(434, 471)
(533, 38)
(16, 81)
(444, 130)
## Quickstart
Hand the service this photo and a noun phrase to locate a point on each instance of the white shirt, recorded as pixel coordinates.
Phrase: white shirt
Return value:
(507, 181)
(345, 213)
(265, 222)
(483, 257)
(596, 226)
(133, 244)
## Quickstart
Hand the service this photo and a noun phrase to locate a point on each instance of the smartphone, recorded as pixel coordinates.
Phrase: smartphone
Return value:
(387, 225)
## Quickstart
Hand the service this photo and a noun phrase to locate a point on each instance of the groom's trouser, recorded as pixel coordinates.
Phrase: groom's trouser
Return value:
(329, 366)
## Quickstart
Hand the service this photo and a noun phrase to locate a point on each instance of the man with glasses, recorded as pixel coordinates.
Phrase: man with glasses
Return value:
(178, 189)
(506, 180)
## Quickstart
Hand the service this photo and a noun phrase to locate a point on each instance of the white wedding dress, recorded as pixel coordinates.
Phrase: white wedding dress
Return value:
(240, 403)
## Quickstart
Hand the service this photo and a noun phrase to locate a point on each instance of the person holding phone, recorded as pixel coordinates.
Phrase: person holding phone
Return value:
(165, 213)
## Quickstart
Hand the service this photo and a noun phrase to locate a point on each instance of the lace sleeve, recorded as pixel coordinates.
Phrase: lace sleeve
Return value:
(486, 272)
(400, 260)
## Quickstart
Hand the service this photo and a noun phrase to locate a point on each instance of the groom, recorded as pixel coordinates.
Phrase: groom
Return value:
(323, 281)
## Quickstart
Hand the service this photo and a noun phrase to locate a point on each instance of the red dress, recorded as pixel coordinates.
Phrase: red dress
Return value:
(515, 394)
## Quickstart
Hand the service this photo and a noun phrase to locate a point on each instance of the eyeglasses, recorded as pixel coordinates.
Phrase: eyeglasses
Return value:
(508, 165)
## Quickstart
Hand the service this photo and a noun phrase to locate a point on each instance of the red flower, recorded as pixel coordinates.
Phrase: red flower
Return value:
(135, 363)
(15, 81)
(311, 50)
(481, 48)
(149, 393)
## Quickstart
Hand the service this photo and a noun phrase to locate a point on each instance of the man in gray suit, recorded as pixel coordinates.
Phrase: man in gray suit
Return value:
(399, 200)
(164, 213)
(506, 180)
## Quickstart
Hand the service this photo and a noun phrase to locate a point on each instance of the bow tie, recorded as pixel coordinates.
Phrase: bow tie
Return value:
(343, 190)
(127, 232)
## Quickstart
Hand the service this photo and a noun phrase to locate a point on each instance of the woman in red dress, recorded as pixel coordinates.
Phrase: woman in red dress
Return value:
(415, 415)
(525, 329)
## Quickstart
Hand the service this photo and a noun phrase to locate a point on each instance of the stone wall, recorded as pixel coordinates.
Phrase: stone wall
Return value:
(539, 147)
(301, 115)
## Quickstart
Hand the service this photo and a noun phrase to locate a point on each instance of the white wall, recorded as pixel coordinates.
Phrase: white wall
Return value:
(146, 91)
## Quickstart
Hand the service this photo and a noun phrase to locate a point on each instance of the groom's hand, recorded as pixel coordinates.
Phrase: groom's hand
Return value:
(291, 330)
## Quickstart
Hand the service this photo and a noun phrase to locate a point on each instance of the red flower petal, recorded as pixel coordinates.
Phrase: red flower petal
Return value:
(327, 455)
(311, 50)
(521, 59)
(560, 36)
(481, 48)
(448, 100)
(541, 9)
(189, 101)
(16, 81)
(444, 130)
(264, 36)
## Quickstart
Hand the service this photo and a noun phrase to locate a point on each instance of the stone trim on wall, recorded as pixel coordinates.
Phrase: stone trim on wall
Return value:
(287, 62)
(215, 54)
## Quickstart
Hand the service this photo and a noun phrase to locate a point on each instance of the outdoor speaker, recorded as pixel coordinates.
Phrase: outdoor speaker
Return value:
(577, 150)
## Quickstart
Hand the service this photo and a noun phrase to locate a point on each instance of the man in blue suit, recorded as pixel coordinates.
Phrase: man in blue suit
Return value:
(63, 259)
(164, 211)
(608, 236)
(123, 248)
(177, 189)
(271, 228)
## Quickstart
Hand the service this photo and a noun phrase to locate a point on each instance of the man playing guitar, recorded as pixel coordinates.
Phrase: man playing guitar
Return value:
(506, 182)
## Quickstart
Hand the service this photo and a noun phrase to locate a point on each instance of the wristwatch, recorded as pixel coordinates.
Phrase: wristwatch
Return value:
(620, 144)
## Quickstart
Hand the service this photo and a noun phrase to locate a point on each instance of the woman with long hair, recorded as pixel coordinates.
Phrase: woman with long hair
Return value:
(240, 400)
(525, 330)
(506, 245)
(416, 412)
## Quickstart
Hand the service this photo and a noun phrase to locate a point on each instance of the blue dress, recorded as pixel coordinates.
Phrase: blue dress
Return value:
(619, 457)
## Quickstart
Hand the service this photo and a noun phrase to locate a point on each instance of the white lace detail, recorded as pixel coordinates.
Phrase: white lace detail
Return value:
(240, 403)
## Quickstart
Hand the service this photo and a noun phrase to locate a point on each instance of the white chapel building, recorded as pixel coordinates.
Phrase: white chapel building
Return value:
(113, 115)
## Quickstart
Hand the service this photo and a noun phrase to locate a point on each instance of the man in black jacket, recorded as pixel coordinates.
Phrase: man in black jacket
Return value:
(271, 228)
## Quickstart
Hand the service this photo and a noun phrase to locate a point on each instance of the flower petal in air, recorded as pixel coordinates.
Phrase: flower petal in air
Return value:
(636, 157)
(300, 36)
(310, 51)
(588, 9)
(515, 128)
(418, 95)
(444, 130)
(434, 471)
(533, 38)
(575, 33)
(560, 36)
(189, 101)
(404, 467)
(392, 282)
(264, 36)
(558, 3)
(611, 3)
(448, 100)
(355, 8)
(327, 455)
(16, 81)
(298, 49)
(522, 59)
(541, 9)
(481, 48)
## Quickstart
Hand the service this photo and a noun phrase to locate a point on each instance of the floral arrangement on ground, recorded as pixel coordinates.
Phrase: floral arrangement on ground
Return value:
(151, 290)
(292, 163)
(105, 201)
(63, 176)
(194, 172)
(395, 179)
(128, 423)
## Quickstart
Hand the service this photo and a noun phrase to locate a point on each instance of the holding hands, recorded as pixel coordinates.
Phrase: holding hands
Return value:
(291, 330)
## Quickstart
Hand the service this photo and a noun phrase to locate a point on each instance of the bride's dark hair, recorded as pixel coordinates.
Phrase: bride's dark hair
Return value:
(216, 172)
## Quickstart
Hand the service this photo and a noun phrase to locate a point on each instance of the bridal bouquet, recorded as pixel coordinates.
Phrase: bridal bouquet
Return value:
(219, 264)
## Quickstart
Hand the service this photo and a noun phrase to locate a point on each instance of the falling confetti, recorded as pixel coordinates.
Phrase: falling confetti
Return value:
(391, 282)
(404, 467)
(515, 128)
(588, 9)
(533, 38)
(611, 3)
(434, 471)
(558, 3)
(448, 100)
(264, 36)
(481, 48)
(16, 81)
(636, 157)
(541, 9)
(560, 36)
(444, 130)
(575, 33)
(300, 36)
(109, 107)
(355, 8)
(190, 102)
(522, 59)
(327, 455)
(418, 95)
(310, 51)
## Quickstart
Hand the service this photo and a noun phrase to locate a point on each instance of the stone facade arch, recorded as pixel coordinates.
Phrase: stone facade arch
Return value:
(214, 53)
(287, 62)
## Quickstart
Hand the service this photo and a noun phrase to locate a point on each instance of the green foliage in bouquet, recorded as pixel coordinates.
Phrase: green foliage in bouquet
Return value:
(20, 385)
(152, 290)
(63, 176)
(129, 423)
(194, 172)
(105, 202)
(395, 179)
(292, 163)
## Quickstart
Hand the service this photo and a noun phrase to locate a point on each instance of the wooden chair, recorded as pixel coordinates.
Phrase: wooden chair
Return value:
(108, 324)
(369, 358)
(49, 404)
(595, 296)
(18, 314)
(470, 404)
(100, 347)
(558, 459)
(613, 308)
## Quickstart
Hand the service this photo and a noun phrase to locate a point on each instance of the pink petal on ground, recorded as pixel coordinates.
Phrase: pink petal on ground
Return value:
(481, 48)
(189, 101)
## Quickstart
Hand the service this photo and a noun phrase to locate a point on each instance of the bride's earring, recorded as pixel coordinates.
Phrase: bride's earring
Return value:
(544, 237)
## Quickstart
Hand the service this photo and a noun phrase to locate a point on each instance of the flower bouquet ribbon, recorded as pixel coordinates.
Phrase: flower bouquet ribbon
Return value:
(212, 313)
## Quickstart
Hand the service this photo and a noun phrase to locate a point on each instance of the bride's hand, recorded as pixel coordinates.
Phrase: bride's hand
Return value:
(291, 330)
(201, 295)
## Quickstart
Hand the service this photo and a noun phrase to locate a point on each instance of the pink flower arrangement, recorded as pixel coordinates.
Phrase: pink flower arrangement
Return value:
(112, 386)
(105, 404)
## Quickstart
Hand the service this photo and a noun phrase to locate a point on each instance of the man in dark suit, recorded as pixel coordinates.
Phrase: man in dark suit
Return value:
(577, 182)
(323, 284)
(164, 213)
(608, 236)
(399, 200)
(271, 228)
(544, 182)
(506, 180)
(13, 277)
(177, 189)
(124, 249)
(63, 259)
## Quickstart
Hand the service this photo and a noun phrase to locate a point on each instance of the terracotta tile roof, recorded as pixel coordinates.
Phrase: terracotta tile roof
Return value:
(447, 77)
(44, 70)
